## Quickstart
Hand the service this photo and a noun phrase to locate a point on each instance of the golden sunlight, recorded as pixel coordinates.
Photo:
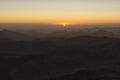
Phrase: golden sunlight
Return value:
(64, 25)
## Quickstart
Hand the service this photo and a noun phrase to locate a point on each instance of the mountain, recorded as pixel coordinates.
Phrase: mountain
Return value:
(92, 74)
(103, 33)
(13, 35)
(51, 58)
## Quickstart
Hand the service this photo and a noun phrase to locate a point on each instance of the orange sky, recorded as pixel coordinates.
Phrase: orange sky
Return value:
(60, 11)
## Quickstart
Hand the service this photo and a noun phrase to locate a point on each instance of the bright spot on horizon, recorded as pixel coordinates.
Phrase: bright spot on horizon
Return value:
(64, 25)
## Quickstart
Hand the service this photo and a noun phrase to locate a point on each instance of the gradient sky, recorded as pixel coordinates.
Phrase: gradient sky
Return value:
(60, 11)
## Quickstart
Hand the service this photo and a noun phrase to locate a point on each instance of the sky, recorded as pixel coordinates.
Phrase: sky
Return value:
(60, 11)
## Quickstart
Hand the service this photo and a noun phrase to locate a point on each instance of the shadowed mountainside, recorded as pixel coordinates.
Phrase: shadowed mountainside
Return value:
(92, 74)
(13, 35)
(49, 58)
(62, 54)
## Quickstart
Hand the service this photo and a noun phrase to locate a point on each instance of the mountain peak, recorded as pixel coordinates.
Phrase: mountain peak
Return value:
(102, 33)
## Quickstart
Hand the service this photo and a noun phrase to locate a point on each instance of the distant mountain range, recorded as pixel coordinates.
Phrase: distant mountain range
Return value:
(103, 33)
(59, 58)
(91, 74)
(13, 35)
(31, 35)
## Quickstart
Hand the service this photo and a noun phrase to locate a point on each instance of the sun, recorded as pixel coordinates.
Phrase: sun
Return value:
(64, 24)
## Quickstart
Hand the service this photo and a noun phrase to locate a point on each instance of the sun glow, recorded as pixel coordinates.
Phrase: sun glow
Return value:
(64, 25)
